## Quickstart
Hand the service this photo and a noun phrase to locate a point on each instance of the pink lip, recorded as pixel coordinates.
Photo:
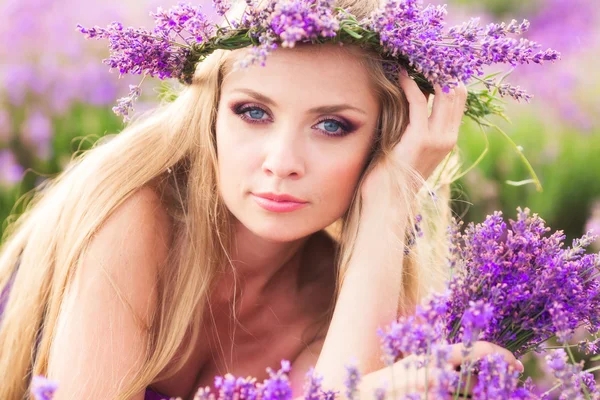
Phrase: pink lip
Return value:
(278, 206)
(279, 197)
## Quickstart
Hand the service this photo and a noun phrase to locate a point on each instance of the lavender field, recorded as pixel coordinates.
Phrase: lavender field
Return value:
(56, 100)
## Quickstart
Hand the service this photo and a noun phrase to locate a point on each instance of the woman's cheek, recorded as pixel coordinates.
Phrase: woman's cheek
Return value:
(340, 182)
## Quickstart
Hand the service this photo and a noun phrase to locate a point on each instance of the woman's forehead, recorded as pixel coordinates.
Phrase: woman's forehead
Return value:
(326, 71)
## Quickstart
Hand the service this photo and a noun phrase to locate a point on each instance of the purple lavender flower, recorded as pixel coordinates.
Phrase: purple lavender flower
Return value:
(353, 377)
(380, 393)
(160, 52)
(221, 6)
(407, 29)
(330, 395)
(43, 388)
(181, 19)
(567, 375)
(11, 171)
(409, 335)
(277, 387)
(300, 20)
(589, 346)
(446, 380)
(557, 360)
(414, 233)
(124, 105)
(204, 393)
(589, 381)
(475, 319)
(38, 132)
(497, 380)
(562, 324)
(505, 89)
(312, 385)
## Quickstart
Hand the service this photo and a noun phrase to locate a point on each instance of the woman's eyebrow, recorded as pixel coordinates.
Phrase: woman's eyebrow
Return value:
(316, 110)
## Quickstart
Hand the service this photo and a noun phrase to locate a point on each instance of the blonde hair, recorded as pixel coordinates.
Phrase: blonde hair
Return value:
(173, 150)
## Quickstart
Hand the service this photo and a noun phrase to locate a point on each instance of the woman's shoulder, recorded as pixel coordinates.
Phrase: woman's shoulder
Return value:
(145, 212)
(137, 234)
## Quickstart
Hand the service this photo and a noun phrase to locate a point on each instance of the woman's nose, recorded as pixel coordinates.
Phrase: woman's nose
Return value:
(283, 156)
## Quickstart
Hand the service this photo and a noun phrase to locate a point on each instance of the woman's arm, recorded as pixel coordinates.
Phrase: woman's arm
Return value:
(368, 300)
(370, 292)
(101, 334)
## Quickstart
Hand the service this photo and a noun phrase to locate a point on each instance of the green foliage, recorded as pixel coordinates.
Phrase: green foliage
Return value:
(565, 161)
(75, 131)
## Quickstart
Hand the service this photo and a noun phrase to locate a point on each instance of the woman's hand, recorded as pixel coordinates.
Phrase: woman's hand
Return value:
(427, 139)
(411, 380)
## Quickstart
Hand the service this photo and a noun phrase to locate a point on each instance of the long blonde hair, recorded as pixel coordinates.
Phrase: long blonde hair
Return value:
(173, 149)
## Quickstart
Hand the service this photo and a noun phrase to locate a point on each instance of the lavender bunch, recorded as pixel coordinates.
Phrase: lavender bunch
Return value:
(514, 285)
(537, 288)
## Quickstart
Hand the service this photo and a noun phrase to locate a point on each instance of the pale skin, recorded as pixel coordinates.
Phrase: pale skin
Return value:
(286, 152)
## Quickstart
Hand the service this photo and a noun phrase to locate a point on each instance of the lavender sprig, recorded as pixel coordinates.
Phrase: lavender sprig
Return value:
(277, 387)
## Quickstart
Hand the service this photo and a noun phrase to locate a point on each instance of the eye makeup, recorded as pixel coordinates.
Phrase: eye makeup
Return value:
(242, 110)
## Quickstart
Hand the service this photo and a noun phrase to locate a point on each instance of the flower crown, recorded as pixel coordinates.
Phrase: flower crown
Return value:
(405, 33)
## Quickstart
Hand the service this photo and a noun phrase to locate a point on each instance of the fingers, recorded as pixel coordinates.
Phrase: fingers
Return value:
(459, 105)
(422, 382)
(417, 101)
(443, 110)
(448, 110)
(481, 349)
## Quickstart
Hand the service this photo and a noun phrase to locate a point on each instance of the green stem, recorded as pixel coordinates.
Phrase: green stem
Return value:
(559, 347)
(163, 39)
(437, 179)
(581, 384)
(536, 180)
(553, 388)
(592, 369)
(487, 146)
(466, 392)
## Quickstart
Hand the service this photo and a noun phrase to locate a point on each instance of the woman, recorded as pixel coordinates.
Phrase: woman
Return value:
(163, 257)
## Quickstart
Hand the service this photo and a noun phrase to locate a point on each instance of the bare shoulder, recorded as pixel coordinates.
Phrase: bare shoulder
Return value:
(141, 221)
(103, 330)
(128, 249)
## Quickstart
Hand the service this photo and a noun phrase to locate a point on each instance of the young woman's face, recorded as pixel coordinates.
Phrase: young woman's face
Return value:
(303, 126)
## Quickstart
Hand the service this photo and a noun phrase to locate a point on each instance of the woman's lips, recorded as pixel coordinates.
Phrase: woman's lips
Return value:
(277, 206)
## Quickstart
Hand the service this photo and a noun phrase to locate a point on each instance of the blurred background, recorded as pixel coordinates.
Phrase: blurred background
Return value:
(56, 98)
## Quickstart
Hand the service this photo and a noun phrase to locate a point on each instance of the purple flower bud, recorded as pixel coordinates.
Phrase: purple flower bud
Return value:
(221, 6)
(43, 388)
(353, 377)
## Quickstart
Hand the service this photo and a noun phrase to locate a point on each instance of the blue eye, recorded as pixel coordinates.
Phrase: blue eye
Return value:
(332, 127)
(252, 114)
(256, 113)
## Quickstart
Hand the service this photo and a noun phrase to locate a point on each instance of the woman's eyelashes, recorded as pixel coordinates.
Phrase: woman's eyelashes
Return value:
(330, 126)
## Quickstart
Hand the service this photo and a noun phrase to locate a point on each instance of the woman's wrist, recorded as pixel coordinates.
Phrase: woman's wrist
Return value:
(381, 228)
